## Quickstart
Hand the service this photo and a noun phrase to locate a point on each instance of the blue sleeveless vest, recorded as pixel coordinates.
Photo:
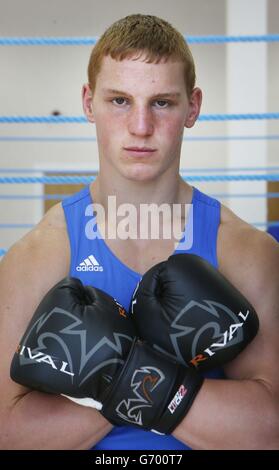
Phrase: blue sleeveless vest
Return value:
(95, 264)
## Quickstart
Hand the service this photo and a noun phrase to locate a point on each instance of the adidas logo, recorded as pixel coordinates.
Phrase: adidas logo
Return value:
(89, 264)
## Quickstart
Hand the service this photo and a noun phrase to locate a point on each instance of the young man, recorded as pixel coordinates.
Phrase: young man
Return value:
(141, 95)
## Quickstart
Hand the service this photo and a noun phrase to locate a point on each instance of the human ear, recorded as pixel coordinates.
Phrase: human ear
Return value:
(87, 102)
(195, 102)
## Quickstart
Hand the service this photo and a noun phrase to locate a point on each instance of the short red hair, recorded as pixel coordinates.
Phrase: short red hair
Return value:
(144, 36)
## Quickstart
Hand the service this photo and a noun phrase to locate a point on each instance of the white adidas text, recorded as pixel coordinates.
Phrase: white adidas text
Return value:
(90, 264)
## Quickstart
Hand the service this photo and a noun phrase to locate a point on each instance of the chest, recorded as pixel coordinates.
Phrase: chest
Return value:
(141, 255)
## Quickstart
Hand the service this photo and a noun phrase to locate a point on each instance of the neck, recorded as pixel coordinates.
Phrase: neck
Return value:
(167, 188)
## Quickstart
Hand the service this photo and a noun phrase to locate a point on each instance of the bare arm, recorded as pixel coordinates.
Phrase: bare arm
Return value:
(30, 419)
(243, 411)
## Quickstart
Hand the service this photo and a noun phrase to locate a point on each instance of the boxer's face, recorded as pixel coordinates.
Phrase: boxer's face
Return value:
(140, 111)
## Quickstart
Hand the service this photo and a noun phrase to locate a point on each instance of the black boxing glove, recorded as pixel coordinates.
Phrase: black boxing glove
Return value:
(75, 343)
(81, 344)
(188, 310)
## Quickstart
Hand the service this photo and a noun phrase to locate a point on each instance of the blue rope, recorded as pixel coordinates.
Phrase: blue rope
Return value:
(43, 119)
(47, 139)
(221, 138)
(237, 117)
(3, 226)
(183, 171)
(29, 226)
(63, 196)
(274, 223)
(89, 179)
(226, 169)
(244, 195)
(34, 196)
(226, 39)
(47, 179)
(89, 41)
(48, 41)
(82, 119)
(205, 138)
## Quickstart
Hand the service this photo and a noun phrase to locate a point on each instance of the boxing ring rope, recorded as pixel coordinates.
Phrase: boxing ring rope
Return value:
(91, 41)
(89, 179)
(82, 119)
(205, 138)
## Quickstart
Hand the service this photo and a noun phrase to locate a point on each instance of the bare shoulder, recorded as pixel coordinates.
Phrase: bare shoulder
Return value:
(43, 243)
(249, 258)
(30, 268)
(54, 218)
(40, 258)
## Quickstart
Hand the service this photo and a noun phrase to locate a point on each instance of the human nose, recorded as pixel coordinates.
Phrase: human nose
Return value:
(141, 121)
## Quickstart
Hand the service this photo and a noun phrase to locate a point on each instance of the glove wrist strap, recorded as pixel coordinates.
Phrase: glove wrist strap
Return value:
(151, 391)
